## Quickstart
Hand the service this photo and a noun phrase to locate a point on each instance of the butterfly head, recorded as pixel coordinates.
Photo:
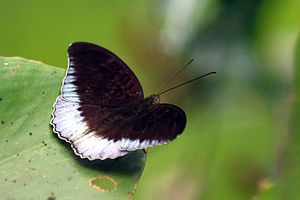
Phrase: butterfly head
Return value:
(154, 99)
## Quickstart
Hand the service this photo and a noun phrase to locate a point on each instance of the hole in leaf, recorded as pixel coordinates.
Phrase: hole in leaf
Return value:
(103, 183)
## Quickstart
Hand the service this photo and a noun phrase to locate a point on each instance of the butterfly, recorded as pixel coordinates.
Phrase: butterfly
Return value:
(102, 111)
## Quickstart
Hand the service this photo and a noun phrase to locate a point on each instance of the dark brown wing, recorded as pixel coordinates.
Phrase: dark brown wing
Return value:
(96, 76)
(137, 126)
(161, 122)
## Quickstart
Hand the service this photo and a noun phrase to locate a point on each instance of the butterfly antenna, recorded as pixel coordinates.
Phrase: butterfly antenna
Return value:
(178, 72)
(177, 86)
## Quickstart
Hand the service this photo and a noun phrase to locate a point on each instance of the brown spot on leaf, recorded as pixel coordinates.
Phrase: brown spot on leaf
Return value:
(52, 197)
(15, 70)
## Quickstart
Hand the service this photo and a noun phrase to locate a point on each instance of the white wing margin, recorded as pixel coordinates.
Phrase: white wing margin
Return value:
(70, 126)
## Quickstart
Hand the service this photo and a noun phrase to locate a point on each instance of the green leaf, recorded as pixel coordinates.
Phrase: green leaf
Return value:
(34, 162)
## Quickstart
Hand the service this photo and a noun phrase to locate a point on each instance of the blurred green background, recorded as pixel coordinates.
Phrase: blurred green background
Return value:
(241, 139)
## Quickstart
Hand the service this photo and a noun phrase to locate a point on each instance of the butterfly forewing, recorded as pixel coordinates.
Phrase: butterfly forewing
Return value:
(97, 76)
(102, 111)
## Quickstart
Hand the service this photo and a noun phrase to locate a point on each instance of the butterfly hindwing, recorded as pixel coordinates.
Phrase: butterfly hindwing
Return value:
(138, 125)
(112, 132)
(156, 124)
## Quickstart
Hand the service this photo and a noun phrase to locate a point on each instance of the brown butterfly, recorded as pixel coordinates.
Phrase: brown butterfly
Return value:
(102, 111)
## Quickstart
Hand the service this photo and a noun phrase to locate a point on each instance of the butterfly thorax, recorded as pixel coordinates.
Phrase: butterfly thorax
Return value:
(153, 99)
